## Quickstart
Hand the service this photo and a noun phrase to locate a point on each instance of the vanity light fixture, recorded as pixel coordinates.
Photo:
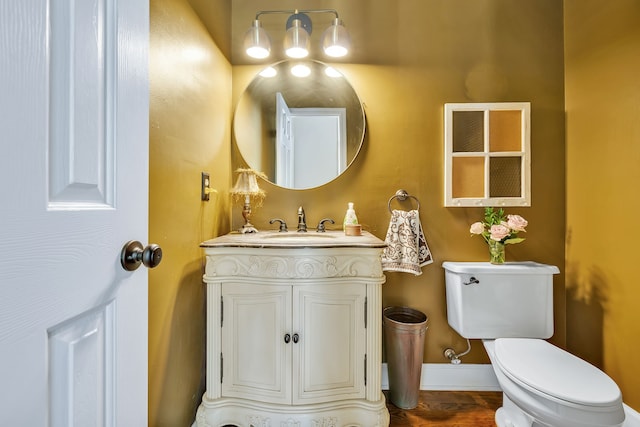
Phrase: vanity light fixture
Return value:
(296, 39)
(335, 40)
(256, 41)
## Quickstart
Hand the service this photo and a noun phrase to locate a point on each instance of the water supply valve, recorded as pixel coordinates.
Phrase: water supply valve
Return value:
(450, 354)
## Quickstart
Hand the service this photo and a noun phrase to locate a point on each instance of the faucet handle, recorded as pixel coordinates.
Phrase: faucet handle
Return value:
(302, 220)
(283, 224)
(321, 224)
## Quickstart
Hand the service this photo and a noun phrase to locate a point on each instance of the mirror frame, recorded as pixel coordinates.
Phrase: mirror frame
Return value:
(254, 116)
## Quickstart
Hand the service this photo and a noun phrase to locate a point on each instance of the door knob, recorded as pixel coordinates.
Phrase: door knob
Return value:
(133, 254)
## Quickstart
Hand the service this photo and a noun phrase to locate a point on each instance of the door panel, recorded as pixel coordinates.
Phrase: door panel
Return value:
(82, 73)
(80, 359)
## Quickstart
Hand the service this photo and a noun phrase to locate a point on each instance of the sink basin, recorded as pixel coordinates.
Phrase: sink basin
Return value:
(294, 239)
(298, 239)
(299, 236)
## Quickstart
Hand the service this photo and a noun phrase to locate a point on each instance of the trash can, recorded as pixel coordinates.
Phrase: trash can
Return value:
(404, 331)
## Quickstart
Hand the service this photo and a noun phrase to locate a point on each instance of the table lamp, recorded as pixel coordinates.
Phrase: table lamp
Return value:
(247, 188)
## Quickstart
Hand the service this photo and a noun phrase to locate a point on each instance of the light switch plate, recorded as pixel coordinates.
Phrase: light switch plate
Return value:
(205, 186)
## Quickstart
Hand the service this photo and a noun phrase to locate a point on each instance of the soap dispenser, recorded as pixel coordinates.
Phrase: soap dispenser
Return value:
(350, 217)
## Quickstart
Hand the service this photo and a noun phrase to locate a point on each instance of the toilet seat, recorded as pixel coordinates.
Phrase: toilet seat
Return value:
(558, 375)
(553, 386)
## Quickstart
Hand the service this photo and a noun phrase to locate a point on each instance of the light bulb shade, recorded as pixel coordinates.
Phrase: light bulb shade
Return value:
(335, 40)
(296, 40)
(256, 41)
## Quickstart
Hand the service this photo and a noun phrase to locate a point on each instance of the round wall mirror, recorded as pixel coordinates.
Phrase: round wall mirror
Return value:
(300, 123)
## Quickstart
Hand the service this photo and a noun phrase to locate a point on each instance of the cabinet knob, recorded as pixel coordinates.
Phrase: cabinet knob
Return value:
(287, 338)
(296, 338)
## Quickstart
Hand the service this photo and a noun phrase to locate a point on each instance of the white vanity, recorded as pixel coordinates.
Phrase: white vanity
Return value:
(294, 333)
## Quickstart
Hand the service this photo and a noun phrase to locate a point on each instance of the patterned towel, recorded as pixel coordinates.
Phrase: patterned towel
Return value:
(407, 248)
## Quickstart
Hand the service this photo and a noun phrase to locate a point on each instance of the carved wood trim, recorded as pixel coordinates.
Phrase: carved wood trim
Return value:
(291, 266)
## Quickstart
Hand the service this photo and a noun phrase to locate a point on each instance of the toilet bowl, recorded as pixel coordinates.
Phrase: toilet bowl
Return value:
(509, 307)
(544, 384)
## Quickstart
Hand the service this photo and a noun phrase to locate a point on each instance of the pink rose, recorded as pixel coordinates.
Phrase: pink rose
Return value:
(499, 231)
(516, 222)
(477, 228)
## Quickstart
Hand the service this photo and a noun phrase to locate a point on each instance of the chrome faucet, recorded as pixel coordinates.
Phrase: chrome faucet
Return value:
(302, 220)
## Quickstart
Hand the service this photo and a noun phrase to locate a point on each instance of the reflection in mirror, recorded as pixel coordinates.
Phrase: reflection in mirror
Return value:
(301, 132)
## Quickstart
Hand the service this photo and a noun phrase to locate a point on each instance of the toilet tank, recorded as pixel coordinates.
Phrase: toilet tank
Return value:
(511, 300)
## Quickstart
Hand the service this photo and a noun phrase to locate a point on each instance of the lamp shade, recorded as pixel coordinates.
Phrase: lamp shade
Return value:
(296, 40)
(247, 184)
(256, 41)
(335, 40)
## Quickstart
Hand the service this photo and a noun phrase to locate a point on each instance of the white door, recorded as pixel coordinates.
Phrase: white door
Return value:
(73, 190)
(319, 145)
(284, 144)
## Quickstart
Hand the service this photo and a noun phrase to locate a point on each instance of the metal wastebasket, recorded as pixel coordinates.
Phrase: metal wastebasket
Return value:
(404, 332)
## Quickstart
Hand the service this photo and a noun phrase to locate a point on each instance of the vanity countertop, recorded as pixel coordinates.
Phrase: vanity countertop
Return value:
(294, 239)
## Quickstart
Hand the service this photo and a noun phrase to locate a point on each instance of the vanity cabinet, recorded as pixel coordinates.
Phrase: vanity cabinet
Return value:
(293, 331)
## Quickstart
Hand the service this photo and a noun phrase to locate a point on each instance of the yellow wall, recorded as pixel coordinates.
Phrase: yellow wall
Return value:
(603, 158)
(416, 56)
(190, 110)
(411, 57)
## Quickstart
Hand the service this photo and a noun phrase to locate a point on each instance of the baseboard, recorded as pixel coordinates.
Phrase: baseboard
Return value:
(446, 376)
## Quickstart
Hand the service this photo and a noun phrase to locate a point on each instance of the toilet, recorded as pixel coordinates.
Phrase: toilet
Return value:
(510, 308)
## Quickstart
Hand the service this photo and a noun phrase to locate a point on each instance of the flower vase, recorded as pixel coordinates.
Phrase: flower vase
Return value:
(496, 252)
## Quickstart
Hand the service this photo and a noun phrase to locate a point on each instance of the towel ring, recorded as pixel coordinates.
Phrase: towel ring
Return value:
(402, 195)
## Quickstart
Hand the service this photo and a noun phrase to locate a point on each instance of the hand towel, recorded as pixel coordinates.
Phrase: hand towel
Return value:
(407, 250)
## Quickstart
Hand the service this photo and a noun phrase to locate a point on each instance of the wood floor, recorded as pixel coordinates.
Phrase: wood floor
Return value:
(449, 408)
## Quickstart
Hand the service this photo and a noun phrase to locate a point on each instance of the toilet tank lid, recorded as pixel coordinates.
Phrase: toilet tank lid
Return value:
(524, 267)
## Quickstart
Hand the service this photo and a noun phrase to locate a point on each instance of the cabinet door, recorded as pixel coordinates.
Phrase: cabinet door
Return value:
(256, 360)
(329, 357)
